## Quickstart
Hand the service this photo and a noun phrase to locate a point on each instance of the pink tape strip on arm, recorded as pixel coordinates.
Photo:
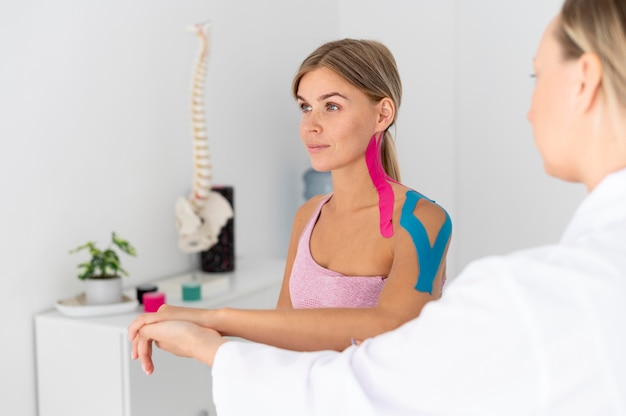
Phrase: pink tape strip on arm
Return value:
(380, 178)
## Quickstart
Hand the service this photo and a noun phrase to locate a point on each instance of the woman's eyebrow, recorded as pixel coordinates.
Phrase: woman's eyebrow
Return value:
(332, 94)
(324, 96)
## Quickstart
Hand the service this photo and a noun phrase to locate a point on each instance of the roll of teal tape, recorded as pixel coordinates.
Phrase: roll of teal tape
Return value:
(191, 291)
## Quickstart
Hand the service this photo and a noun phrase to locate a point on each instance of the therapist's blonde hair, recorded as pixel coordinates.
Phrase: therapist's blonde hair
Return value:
(369, 66)
(599, 27)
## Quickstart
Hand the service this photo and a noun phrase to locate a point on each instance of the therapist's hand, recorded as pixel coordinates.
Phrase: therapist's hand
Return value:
(181, 338)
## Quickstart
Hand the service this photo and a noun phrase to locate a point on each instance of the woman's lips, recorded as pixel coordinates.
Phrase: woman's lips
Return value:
(316, 148)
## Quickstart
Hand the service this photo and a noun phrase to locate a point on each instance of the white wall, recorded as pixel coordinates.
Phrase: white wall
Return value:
(504, 200)
(95, 134)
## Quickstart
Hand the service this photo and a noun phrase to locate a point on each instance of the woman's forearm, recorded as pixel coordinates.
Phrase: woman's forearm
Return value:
(294, 329)
(302, 329)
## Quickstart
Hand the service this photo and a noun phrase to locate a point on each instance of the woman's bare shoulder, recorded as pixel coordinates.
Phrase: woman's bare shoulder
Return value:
(308, 208)
(426, 210)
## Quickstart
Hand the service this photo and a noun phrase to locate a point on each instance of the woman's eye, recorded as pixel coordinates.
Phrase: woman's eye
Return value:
(332, 107)
(305, 108)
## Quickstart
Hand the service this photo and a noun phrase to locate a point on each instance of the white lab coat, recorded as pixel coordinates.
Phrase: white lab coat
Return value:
(536, 332)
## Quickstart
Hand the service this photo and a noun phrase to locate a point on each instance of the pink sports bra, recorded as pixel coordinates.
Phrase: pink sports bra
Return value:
(314, 286)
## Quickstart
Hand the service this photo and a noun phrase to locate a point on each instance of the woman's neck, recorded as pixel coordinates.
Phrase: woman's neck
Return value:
(353, 191)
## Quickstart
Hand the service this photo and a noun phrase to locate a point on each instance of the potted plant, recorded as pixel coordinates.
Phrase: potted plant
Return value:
(102, 273)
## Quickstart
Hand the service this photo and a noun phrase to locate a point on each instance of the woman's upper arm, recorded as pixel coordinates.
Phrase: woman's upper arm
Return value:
(416, 277)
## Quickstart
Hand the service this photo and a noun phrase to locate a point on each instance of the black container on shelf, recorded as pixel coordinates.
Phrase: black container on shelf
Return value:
(221, 257)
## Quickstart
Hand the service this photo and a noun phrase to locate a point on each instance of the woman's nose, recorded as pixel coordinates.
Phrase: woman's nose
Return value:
(310, 123)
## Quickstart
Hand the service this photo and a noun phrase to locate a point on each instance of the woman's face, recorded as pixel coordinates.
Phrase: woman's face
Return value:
(337, 121)
(552, 112)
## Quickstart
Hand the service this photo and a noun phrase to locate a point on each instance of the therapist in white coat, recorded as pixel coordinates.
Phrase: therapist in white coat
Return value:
(536, 332)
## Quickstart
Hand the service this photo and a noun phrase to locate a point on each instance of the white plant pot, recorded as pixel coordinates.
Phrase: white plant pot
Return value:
(103, 291)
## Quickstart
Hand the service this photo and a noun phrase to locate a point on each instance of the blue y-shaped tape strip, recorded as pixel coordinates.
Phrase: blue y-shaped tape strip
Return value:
(429, 258)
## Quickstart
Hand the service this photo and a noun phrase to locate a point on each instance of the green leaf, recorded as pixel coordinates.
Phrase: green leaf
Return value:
(104, 263)
(123, 245)
(89, 245)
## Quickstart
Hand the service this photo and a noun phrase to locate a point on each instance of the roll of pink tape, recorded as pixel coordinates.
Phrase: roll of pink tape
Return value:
(152, 301)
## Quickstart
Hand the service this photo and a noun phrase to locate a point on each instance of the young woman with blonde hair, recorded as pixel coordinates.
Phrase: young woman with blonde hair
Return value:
(365, 258)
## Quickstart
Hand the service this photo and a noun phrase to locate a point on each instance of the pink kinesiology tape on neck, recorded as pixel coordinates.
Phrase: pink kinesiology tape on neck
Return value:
(380, 180)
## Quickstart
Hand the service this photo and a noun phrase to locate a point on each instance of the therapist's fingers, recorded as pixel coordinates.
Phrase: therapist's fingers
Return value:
(136, 341)
(134, 347)
(142, 350)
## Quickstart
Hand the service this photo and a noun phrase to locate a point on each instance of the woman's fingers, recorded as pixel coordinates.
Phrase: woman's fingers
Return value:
(136, 325)
(164, 313)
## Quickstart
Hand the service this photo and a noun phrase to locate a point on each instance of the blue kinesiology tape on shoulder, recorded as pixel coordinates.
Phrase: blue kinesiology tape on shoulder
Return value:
(429, 257)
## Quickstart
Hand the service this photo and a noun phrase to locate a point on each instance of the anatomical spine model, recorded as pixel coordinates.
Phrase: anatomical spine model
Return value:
(201, 216)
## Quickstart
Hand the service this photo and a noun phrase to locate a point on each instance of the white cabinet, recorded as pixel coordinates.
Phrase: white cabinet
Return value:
(84, 365)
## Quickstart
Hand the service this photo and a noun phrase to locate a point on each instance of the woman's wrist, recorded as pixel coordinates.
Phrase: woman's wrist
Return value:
(217, 319)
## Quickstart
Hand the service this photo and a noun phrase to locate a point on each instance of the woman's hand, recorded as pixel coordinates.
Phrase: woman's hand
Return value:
(165, 313)
(181, 338)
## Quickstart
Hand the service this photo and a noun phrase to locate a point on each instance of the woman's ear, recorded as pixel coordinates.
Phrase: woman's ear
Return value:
(386, 113)
(589, 69)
